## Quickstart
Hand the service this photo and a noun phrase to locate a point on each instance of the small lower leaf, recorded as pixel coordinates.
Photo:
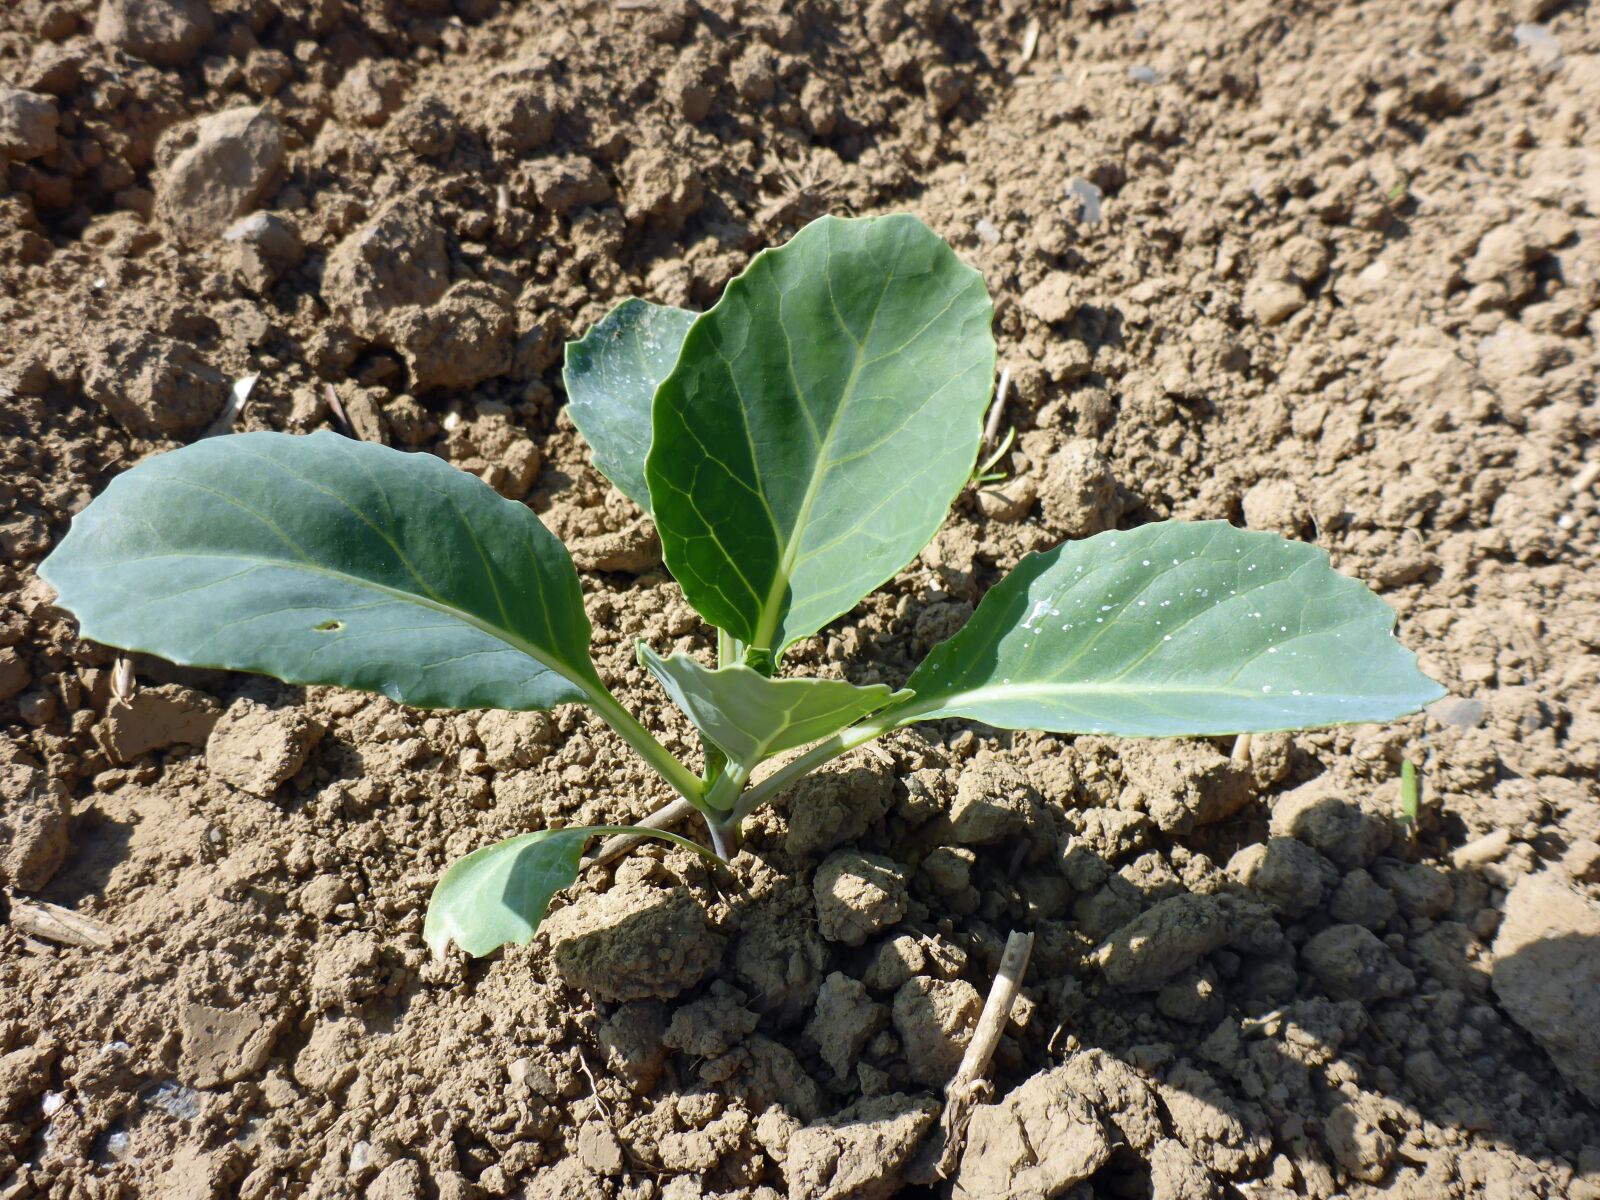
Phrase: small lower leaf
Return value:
(750, 717)
(499, 895)
(1174, 629)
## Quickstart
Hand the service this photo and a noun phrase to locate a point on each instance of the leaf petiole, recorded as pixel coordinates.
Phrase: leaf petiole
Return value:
(683, 781)
(823, 752)
(677, 839)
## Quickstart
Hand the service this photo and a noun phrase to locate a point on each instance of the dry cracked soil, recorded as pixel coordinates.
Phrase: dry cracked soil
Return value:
(1330, 269)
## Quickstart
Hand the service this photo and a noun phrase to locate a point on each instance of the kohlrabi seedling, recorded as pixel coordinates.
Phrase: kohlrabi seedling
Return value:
(796, 446)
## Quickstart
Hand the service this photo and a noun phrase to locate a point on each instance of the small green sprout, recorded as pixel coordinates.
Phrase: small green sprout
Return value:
(797, 445)
(1410, 799)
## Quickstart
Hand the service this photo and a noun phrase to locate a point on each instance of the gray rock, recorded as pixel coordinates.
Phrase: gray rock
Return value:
(257, 249)
(1547, 974)
(227, 170)
(1352, 964)
(167, 33)
(27, 124)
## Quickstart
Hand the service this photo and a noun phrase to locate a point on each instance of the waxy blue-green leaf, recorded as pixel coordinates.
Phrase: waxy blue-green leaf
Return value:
(324, 560)
(611, 377)
(1171, 629)
(818, 424)
(498, 895)
(750, 717)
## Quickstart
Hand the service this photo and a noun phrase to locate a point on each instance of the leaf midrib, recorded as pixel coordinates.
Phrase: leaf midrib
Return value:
(772, 609)
(500, 634)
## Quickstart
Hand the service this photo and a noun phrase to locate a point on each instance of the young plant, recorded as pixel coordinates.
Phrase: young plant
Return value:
(796, 446)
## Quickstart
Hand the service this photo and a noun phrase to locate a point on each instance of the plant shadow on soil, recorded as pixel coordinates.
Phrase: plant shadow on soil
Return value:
(1346, 1058)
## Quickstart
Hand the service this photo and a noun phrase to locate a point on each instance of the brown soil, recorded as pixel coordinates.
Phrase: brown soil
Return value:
(1344, 283)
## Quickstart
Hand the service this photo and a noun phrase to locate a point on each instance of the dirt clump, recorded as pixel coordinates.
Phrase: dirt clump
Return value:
(859, 895)
(256, 748)
(35, 814)
(154, 386)
(859, 1152)
(634, 943)
(1547, 973)
(153, 718)
(935, 1019)
(232, 159)
(1040, 1140)
(167, 33)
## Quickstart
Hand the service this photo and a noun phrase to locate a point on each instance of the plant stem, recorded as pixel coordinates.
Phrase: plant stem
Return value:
(663, 818)
(658, 756)
(840, 743)
(675, 838)
(729, 651)
(724, 793)
(725, 837)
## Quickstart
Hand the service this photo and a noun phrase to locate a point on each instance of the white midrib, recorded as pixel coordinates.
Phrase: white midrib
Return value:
(500, 634)
(772, 609)
(1056, 691)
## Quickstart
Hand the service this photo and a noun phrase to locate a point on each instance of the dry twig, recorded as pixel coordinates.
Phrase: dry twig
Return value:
(52, 923)
(663, 818)
(969, 1086)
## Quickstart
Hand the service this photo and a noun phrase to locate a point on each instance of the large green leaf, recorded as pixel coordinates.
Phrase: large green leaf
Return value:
(500, 894)
(1174, 628)
(324, 560)
(818, 424)
(750, 717)
(611, 376)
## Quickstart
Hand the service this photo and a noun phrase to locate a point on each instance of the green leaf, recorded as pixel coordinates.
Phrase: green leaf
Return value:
(750, 717)
(1171, 629)
(324, 560)
(818, 424)
(500, 894)
(611, 376)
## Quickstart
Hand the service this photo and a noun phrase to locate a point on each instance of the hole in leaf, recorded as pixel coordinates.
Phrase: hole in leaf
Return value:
(329, 626)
